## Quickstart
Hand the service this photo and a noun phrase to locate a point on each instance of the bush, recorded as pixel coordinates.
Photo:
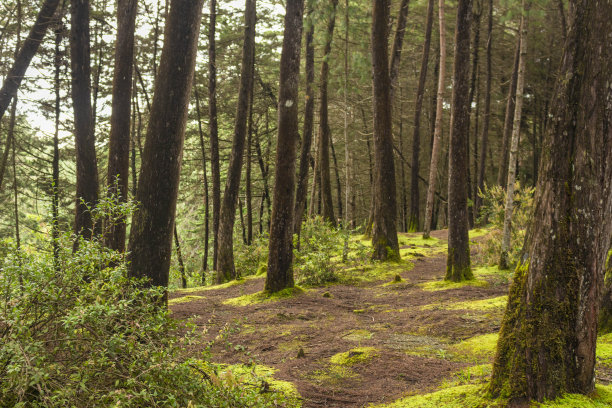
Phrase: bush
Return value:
(493, 210)
(81, 334)
(247, 258)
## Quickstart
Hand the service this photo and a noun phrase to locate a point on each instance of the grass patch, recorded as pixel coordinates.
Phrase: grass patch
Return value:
(470, 375)
(478, 348)
(601, 398)
(184, 299)
(354, 356)
(478, 232)
(604, 350)
(214, 287)
(263, 297)
(446, 285)
(496, 303)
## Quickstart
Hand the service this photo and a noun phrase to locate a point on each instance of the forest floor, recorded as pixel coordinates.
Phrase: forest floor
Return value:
(419, 342)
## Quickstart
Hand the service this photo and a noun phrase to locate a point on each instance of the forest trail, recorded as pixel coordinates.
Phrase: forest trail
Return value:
(368, 343)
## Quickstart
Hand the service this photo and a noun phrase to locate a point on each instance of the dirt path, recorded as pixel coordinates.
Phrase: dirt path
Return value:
(409, 338)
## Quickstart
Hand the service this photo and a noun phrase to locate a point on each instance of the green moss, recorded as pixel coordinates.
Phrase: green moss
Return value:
(604, 349)
(332, 375)
(478, 232)
(601, 398)
(354, 356)
(455, 397)
(258, 373)
(358, 335)
(184, 299)
(477, 374)
(263, 297)
(372, 272)
(496, 303)
(478, 348)
(214, 287)
(262, 269)
(445, 285)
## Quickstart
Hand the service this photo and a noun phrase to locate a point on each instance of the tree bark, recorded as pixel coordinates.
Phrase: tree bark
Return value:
(150, 243)
(551, 317)
(384, 230)
(226, 269)
(119, 145)
(413, 220)
(302, 184)
(213, 128)
(437, 136)
(24, 57)
(280, 258)
(487, 115)
(206, 196)
(502, 175)
(179, 256)
(324, 130)
(516, 130)
(87, 169)
(396, 50)
(458, 261)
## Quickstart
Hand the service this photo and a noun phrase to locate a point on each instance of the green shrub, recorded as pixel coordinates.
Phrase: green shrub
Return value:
(247, 258)
(493, 210)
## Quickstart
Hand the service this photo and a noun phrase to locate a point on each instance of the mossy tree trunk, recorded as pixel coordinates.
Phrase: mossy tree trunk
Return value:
(549, 330)
(437, 135)
(150, 243)
(226, 269)
(280, 258)
(384, 229)
(502, 174)
(458, 261)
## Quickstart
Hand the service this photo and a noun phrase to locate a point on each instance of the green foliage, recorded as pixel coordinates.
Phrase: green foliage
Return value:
(493, 209)
(249, 258)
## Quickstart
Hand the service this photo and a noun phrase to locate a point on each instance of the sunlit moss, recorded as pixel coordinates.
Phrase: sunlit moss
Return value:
(478, 348)
(358, 335)
(496, 303)
(263, 297)
(214, 287)
(601, 398)
(604, 349)
(470, 375)
(372, 272)
(184, 299)
(478, 232)
(354, 356)
(445, 285)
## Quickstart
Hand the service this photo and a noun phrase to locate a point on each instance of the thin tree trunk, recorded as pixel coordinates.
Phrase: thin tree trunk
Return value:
(437, 136)
(549, 331)
(55, 187)
(413, 219)
(474, 91)
(337, 174)
(150, 243)
(87, 169)
(302, 183)
(458, 261)
(324, 129)
(384, 230)
(248, 194)
(206, 197)
(487, 114)
(15, 185)
(516, 130)
(119, 139)
(213, 128)
(280, 258)
(396, 50)
(179, 255)
(348, 165)
(502, 175)
(30, 46)
(226, 269)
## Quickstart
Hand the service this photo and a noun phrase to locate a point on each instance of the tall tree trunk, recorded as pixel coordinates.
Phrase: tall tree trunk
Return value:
(119, 144)
(487, 115)
(396, 50)
(179, 256)
(264, 175)
(55, 188)
(348, 165)
(324, 130)
(15, 185)
(280, 274)
(206, 196)
(213, 128)
(249, 155)
(413, 220)
(474, 92)
(226, 269)
(502, 174)
(13, 78)
(551, 317)
(437, 136)
(458, 262)
(150, 243)
(302, 183)
(516, 130)
(384, 230)
(338, 183)
(87, 169)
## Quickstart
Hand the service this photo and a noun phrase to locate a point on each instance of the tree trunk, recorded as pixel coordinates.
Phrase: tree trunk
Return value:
(338, 183)
(55, 231)
(437, 136)
(206, 196)
(474, 91)
(458, 262)
(502, 175)
(179, 256)
(487, 116)
(516, 130)
(549, 331)
(226, 269)
(396, 50)
(324, 130)
(87, 169)
(384, 230)
(119, 139)
(302, 184)
(213, 128)
(280, 274)
(30, 46)
(413, 220)
(249, 155)
(150, 243)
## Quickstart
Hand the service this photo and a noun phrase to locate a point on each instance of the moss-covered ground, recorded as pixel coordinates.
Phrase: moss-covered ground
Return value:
(382, 335)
